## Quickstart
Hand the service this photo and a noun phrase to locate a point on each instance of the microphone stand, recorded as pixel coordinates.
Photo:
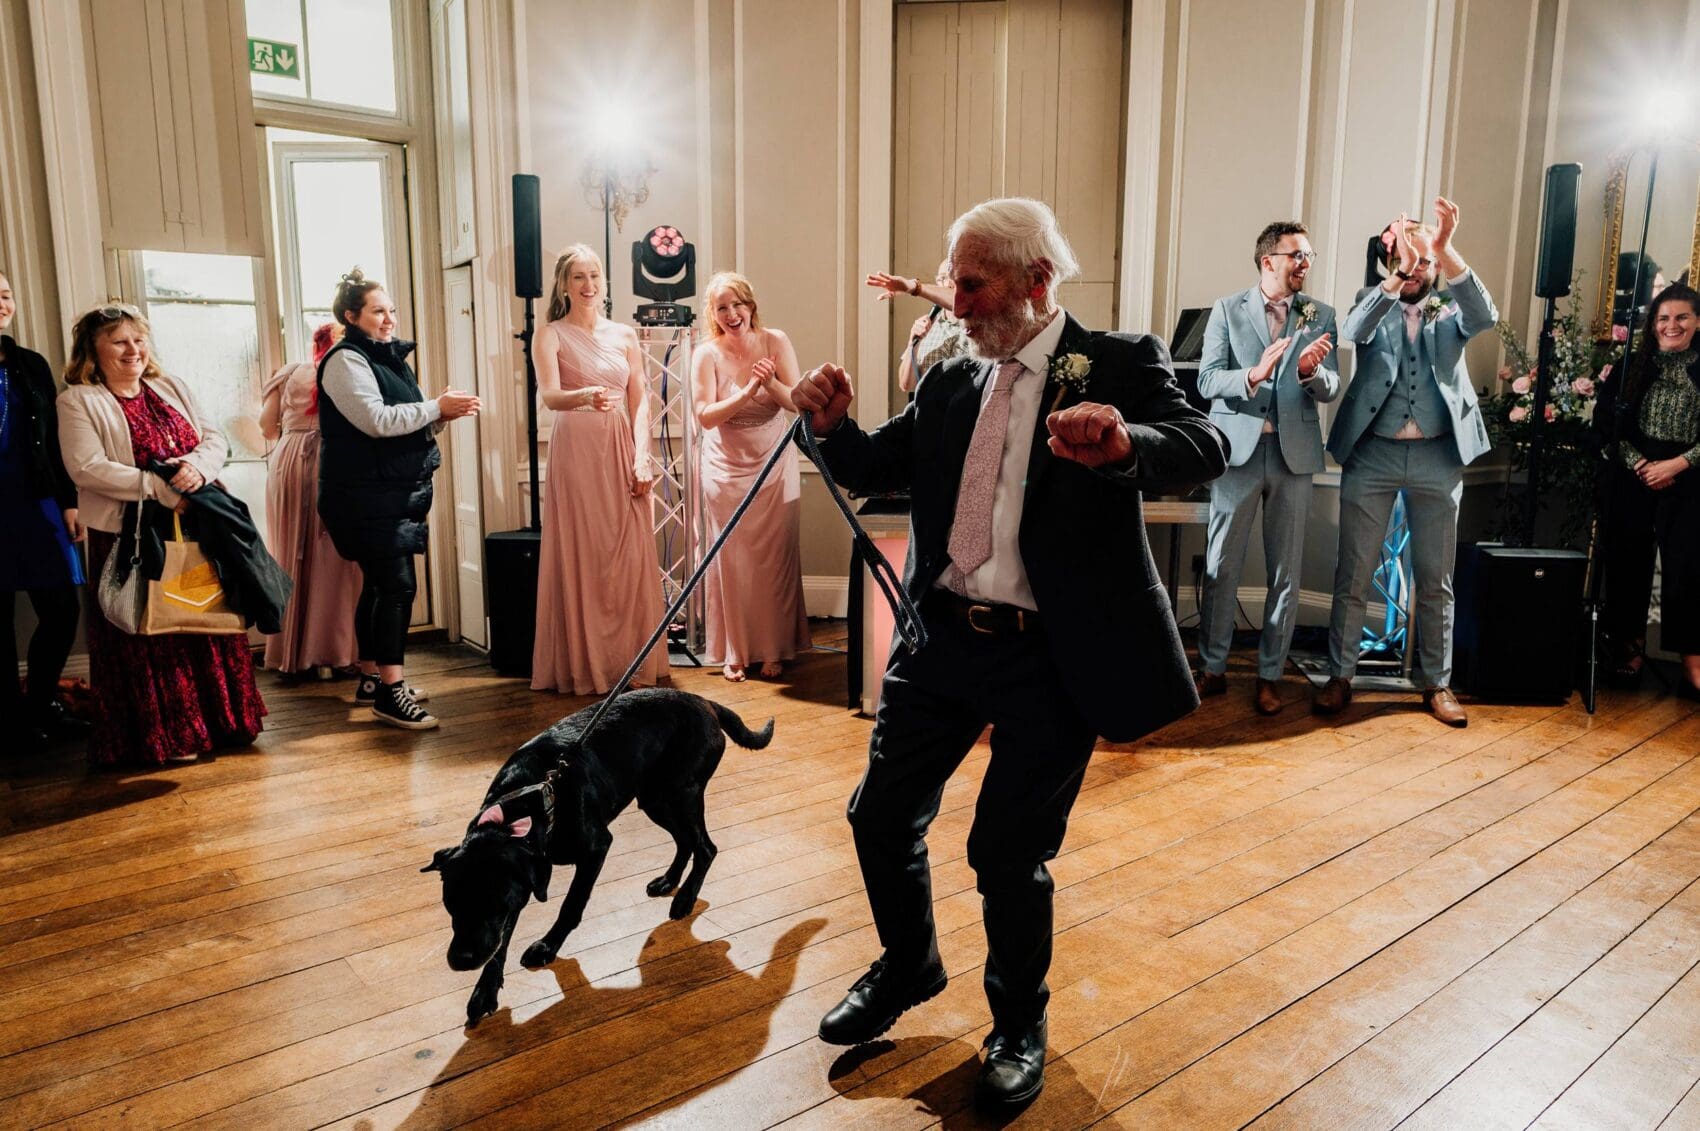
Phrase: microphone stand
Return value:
(524, 337)
(1591, 598)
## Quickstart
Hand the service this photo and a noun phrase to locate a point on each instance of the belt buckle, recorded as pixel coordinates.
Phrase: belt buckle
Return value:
(974, 624)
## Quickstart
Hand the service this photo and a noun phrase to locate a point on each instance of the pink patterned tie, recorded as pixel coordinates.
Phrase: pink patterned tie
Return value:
(1413, 321)
(971, 534)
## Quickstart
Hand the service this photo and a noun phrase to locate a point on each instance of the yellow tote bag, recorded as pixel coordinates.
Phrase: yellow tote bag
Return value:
(188, 596)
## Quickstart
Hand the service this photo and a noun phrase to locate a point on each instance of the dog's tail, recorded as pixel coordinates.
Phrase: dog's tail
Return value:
(737, 731)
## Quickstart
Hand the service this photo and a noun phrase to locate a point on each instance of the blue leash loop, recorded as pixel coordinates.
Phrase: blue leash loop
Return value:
(904, 613)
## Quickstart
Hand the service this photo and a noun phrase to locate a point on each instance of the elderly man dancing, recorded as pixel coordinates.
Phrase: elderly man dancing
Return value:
(1028, 557)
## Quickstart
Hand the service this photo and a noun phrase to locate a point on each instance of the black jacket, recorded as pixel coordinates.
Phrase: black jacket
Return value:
(254, 584)
(33, 398)
(375, 491)
(1107, 619)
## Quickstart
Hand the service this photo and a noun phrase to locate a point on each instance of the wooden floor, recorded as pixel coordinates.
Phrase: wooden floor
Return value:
(1373, 923)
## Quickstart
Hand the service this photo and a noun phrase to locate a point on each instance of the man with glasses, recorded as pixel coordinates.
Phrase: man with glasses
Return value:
(1409, 423)
(1267, 362)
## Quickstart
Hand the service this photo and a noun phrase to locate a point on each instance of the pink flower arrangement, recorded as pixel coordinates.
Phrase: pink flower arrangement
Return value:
(1505, 373)
(1550, 413)
(1585, 387)
(1521, 386)
(1605, 371)
(1620, 333)
(1518, 414)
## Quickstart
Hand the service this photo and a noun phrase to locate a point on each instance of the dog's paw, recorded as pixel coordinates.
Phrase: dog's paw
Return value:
(538, 954)
(481, 1005)
(662, 885)
(683, 904)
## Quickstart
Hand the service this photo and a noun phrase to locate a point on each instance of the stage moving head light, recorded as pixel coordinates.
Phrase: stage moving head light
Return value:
(664, 271)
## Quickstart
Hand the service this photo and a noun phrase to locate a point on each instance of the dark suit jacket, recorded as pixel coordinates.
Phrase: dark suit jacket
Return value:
(1106, 615)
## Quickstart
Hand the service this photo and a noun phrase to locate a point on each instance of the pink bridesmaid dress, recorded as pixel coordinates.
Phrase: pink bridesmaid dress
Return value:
(318, 623)
(755, 612)
(599, 579)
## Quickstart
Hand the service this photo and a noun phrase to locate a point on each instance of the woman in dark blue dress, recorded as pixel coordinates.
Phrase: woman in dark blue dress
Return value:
(38, 515)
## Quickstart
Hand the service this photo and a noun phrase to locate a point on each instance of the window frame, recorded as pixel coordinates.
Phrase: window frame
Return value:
(318, 115)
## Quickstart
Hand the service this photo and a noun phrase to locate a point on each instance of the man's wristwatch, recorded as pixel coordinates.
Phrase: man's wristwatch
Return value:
(1405, 275)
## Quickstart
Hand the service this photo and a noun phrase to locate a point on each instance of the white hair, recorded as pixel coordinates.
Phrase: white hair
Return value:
(1018, 232)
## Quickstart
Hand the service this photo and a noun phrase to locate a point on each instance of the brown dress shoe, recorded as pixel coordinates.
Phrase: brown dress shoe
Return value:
(1335, 696)
(1443, 705)
(1268, 697)
(1210, 683)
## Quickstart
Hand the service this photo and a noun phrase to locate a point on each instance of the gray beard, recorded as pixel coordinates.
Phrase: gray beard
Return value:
(1021, 330)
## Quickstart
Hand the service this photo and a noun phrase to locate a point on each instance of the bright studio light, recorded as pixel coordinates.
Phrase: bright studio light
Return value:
(1667, 114)
(616, 130)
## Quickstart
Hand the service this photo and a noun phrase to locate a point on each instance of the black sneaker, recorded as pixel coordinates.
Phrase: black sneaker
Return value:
(395, 705)
(366, 692)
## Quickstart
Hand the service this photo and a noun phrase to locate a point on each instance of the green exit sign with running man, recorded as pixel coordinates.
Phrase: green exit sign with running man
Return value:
(269, 57)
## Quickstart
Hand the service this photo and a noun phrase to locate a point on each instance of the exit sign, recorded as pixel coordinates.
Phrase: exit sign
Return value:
(269, 57)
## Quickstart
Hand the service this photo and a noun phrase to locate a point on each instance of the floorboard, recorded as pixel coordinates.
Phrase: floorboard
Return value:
(1370, 921)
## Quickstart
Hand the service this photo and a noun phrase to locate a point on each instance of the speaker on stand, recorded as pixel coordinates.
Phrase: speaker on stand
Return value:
(511, 557)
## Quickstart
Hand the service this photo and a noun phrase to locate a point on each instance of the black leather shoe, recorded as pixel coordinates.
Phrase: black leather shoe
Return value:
(1014, 1070)
(877, 1000)
(59, 723)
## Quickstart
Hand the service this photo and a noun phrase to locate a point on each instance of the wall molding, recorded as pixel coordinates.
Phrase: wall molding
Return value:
(68, 152)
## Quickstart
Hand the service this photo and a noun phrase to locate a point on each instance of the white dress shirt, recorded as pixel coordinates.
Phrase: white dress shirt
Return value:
(1003, 577)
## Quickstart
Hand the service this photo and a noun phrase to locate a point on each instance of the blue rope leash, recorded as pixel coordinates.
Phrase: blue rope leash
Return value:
(904, 613)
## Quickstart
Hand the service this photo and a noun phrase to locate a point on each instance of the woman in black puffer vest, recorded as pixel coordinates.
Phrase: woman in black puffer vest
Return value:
(377, 455)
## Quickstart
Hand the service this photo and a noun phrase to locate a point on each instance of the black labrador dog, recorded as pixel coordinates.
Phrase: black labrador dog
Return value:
(658, 746)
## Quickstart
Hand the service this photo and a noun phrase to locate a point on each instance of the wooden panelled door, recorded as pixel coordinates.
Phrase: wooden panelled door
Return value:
(1008, 98)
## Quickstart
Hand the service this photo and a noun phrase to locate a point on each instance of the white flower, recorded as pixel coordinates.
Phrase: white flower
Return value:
(1071, 369)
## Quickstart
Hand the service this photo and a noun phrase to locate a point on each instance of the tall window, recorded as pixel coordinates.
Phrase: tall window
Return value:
(206, 333)
(342, 51)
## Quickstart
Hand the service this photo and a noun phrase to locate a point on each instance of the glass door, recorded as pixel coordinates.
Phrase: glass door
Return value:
(341, 204)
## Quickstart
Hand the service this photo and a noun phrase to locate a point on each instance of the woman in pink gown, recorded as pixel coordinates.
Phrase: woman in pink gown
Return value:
(599, 579)
(318, 624)
(741, 381)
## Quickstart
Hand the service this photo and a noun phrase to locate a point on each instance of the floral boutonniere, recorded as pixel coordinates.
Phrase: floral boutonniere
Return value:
(1070, 371)
(1436, 306)
(1307, 315)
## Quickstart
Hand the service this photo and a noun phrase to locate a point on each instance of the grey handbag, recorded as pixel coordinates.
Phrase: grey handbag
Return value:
(122, 593)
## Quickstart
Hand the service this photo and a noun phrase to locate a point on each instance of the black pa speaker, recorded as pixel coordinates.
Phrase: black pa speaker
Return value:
(528, 238)
(510, 574)
(1519, 621)
(1558, 231)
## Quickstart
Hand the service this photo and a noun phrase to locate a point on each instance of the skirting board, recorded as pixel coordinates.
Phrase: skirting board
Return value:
(826, 595)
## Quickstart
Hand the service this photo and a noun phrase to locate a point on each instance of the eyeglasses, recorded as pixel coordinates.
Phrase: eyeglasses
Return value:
(1298, 256)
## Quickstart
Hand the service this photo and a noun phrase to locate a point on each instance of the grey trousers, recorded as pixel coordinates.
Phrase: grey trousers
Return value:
(1233, 506)
(1432, 478)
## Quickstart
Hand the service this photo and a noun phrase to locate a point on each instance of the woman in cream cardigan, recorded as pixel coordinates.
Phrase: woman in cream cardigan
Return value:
(163, 698)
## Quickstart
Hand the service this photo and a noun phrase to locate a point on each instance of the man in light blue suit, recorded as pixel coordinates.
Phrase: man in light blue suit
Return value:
(1408, 422)
(1266, 364)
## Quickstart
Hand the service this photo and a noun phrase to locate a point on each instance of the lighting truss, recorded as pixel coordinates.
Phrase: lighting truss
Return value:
(678, 498)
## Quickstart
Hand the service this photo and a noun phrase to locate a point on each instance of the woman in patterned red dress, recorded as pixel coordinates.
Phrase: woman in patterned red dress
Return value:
(163, 698)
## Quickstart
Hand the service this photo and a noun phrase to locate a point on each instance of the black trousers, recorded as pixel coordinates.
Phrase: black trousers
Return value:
(385, 607)
(1639, 521)
(934, 704)
(56, 612)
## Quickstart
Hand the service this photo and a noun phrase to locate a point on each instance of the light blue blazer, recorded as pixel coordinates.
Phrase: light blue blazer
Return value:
(1234, 340)
(1381, 344)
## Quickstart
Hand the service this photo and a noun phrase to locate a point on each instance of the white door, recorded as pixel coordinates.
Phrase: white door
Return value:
(463, 459)
(341, 204)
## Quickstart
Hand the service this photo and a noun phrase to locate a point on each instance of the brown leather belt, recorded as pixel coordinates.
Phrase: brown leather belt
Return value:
(983, 617)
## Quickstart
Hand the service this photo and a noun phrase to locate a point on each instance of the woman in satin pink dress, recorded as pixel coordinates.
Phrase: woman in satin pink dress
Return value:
(599, 578)
(741, 381)
(318, 624)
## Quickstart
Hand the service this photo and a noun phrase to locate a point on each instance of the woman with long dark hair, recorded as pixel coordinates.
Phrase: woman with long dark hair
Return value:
(38, 512)
(377, 454)
(1653, 492)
